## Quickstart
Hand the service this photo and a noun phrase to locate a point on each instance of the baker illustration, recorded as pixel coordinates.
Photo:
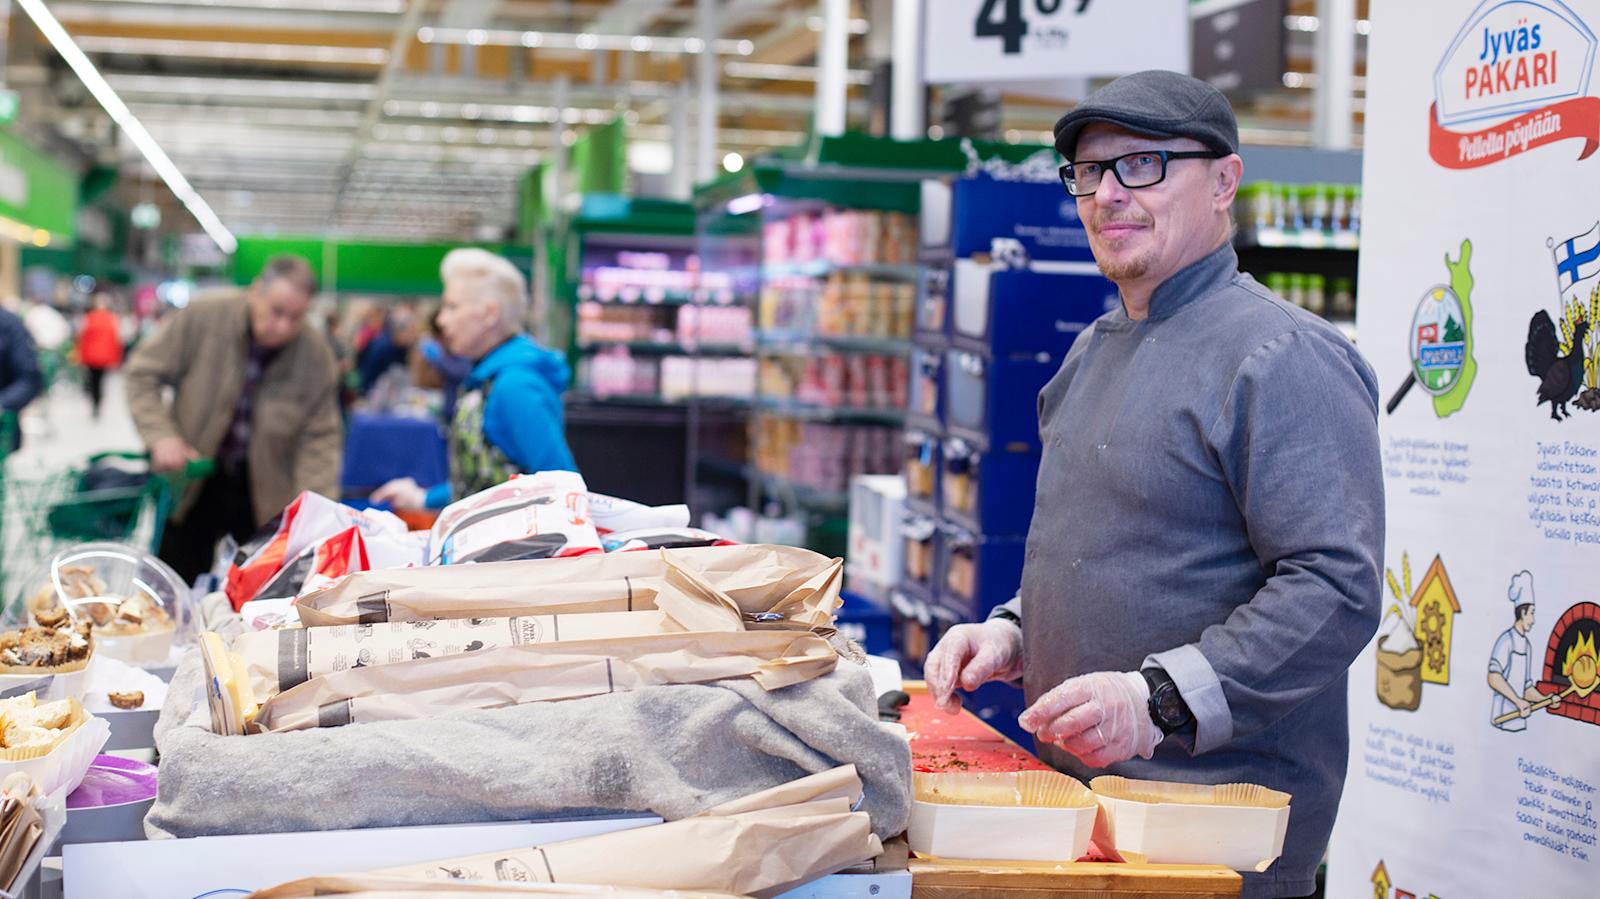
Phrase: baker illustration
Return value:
(1511, 663)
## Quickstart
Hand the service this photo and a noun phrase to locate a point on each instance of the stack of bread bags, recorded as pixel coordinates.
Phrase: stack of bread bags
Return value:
(390, 645)
(762, 844)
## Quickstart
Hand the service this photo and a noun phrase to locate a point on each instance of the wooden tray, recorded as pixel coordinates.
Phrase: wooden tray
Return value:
(939, 879)
(966, 743)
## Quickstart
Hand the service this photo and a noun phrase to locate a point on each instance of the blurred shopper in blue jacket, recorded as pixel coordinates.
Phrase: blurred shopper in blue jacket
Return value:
(19, 373)
(508, 417)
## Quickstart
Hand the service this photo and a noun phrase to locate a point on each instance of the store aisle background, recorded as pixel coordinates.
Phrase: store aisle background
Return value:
(59, 433)
(59, 436)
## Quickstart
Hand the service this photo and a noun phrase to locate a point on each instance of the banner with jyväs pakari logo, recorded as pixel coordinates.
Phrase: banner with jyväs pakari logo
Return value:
(1475, 711)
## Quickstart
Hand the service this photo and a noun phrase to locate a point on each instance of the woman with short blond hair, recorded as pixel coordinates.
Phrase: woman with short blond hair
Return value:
(508, 419)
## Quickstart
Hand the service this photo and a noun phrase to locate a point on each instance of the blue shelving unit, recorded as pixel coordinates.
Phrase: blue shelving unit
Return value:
(988, 336)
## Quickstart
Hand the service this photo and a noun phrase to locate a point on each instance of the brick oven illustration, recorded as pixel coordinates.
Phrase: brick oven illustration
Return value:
(1570, 664)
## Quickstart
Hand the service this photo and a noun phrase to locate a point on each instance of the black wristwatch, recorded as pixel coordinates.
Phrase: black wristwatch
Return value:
(1167, 708)
(1006, 614)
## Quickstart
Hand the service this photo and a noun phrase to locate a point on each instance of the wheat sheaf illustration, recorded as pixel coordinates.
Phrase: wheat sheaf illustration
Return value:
(1574, 311)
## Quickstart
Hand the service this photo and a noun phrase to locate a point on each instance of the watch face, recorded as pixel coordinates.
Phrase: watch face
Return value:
(1169, 705)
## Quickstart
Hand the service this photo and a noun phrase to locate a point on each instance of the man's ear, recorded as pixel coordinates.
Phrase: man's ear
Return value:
(1228, 172)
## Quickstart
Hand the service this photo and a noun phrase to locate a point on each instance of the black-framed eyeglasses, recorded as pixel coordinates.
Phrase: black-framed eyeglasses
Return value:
(1142, 168)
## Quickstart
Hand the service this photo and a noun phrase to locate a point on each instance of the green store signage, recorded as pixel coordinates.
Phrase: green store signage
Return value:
(35, 190)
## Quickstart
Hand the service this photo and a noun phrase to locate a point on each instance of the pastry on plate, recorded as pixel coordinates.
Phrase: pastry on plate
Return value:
(112, 615)
(30, 728)
(41, 649)
(130, 699)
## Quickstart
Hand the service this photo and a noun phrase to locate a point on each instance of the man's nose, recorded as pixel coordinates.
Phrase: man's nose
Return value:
(1110, 191)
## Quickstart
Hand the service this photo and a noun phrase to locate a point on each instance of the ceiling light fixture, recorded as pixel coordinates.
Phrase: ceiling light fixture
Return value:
(583, 40)
(369, 7)
(165, 87)
(247, 116)
(768, 71)
(1310, 24)
(856, 26)
(58, 37)
(240, 50)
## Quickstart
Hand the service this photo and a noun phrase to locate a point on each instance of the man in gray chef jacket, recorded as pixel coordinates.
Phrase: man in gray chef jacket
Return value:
(1203, 563)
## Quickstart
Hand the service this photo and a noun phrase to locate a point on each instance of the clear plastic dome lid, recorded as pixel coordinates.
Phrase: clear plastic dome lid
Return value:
(121, 591)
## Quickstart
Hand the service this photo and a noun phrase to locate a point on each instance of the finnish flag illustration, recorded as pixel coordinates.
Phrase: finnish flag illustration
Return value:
(1578, 258)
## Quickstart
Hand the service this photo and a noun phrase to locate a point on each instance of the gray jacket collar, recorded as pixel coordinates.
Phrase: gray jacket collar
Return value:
(1200, 278)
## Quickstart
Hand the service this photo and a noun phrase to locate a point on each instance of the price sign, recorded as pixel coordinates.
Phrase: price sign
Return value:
(1241, 47)
(1031, 40)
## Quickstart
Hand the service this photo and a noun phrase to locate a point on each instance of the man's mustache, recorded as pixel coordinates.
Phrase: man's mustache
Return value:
(1120, 220)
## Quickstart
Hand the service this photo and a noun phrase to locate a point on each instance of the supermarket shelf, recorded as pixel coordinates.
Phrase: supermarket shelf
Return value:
(800, 494)
(669, 348)
(642, 400)
(810, 412)
(834, 171)
(657, 401)
(718, 467)
(1302, 240)
(719, 402)
(821, 268)
(795, 342)
(644, 299)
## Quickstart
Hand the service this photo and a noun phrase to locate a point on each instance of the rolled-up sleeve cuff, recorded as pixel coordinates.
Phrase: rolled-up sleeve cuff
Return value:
(1010, 610)
(1201, 690)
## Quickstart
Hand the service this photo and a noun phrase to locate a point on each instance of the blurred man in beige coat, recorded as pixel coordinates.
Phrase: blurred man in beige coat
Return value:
(255, 390)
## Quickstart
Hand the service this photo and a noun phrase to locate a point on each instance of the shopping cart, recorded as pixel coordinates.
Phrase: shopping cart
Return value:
(112, 497)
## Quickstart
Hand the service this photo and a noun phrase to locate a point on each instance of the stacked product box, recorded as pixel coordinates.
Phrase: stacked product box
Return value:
(1010, 286)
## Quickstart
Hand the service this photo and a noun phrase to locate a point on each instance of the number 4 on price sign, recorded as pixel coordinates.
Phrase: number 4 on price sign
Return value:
(1012, 27)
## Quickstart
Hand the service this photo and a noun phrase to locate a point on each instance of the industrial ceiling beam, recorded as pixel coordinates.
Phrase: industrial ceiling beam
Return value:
(131, 128)
(629, 16)
(404, 33)
(234, 51)
(203, 14)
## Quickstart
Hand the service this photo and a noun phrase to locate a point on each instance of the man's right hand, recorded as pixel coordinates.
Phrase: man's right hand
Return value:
(971, 655)
(171, 454)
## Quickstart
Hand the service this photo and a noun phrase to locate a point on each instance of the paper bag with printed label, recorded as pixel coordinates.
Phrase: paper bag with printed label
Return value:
(329, 676)
(375, 886)
(771, 841)
(538, 672)
(799, 587)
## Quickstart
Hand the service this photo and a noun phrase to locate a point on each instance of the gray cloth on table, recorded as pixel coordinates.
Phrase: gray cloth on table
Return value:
(668, 750)
(216, 614)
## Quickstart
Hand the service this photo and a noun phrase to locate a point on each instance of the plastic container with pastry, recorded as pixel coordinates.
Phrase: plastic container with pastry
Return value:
(52, 661)
(1238, 825)
(1039, 816)
(54, 742)
(137, 607)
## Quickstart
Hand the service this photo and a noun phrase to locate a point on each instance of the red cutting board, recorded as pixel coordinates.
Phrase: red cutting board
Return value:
(942, 742)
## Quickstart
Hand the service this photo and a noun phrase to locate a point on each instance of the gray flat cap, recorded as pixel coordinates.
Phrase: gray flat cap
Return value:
(1158, 104)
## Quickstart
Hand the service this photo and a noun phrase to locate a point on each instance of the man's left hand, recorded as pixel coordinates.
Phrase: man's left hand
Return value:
(1102, 718)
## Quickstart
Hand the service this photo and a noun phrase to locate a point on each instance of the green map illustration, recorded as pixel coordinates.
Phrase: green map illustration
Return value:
(1451, 401)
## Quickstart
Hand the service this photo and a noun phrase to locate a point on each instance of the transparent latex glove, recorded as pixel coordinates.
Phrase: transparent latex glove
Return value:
(971, 655)
(1102, 718)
